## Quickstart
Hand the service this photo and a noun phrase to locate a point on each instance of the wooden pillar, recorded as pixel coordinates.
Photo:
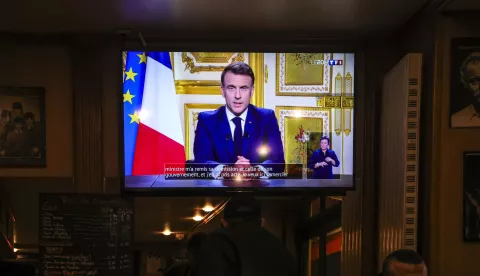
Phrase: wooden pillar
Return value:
(322, 241)
(322, 251)
(87, 63)
(352, 233)
(358, 207)
(369, 159)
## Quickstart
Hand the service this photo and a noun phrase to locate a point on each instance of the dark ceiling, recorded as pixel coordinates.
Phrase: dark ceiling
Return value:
(462, 5)
(109, 15)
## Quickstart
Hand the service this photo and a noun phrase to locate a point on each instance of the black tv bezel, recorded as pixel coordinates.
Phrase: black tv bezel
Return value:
(308, 46)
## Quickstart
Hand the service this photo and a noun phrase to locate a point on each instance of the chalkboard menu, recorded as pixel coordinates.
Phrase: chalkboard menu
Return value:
(85, 235)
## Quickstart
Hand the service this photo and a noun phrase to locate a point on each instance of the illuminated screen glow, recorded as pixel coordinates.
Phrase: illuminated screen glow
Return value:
(291, 127)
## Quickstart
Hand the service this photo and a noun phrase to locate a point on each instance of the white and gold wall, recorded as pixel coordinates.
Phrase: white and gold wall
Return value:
(302, 89)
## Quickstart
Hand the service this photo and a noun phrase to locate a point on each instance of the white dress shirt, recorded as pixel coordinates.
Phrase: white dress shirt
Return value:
(231, 116)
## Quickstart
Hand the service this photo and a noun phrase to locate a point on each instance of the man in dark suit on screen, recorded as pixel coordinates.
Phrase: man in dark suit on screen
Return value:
(323, 160)
(239, 135)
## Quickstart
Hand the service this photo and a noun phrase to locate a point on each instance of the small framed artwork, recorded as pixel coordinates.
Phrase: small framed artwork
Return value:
(465, 83)
(303, 74)
(471, 196)
(22, 127)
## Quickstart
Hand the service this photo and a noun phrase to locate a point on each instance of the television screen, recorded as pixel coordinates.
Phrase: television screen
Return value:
(219, 120)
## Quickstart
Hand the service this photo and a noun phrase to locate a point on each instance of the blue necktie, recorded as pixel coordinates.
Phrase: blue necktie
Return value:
(237, 136)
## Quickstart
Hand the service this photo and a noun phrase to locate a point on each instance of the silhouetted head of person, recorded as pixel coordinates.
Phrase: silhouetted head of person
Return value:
(6, 116)
(29, 118)
(195, 241)
(242, 209)
(404, 262)
(17, 109)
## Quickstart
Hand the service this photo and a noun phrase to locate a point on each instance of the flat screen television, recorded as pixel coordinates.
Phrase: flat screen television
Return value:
(203, 122)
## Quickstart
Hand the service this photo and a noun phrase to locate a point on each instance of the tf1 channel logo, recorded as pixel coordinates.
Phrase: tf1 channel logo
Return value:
(335, 62)
(330, 62)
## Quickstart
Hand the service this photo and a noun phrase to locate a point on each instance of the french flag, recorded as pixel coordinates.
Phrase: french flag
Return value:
(158, 138)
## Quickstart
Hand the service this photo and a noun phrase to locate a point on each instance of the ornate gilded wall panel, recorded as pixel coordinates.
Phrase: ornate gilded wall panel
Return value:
(199, 73)
(303, 74)
(313, 121)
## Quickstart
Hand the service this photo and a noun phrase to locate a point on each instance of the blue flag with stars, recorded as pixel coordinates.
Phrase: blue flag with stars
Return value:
(133, 81)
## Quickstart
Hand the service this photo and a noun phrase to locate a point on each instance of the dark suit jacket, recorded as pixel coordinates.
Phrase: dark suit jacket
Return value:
(18, 144)
(214, 144)
(323, 172)
(4, 130)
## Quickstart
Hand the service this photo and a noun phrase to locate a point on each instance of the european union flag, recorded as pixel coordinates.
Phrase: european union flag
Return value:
(133, 81)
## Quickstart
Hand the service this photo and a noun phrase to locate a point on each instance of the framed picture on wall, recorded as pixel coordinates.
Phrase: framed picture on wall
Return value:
(22, 127)
(471, 196)
(465, 83)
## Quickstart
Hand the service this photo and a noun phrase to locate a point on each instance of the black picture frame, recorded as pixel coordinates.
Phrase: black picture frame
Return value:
(462, 112)
(30, 149)
(471, 196)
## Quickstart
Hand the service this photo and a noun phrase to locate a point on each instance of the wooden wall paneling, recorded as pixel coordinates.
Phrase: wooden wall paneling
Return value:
(432, 175)
(450, 254)
(111, 185)
(367, 161)
(381, 53)
(352, 232)
(112, 119)
(352, 204)
(22, 193)
(87, 60)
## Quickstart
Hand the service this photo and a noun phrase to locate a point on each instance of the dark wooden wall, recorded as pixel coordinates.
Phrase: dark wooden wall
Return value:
(83, 86)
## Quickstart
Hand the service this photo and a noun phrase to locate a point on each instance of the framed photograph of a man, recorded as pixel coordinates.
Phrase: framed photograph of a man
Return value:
(465, 83)
(22, 127)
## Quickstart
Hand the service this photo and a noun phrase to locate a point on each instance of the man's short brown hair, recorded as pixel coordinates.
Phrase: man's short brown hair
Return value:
(238, 68)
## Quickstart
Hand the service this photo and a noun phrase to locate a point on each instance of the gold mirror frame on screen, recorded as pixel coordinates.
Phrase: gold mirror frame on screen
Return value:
(315, 80)
(313, 119)
(212, 87)
(302, 111)
(209, 57)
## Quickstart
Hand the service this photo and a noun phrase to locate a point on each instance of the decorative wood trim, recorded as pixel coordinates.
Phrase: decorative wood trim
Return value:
(431, 233)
